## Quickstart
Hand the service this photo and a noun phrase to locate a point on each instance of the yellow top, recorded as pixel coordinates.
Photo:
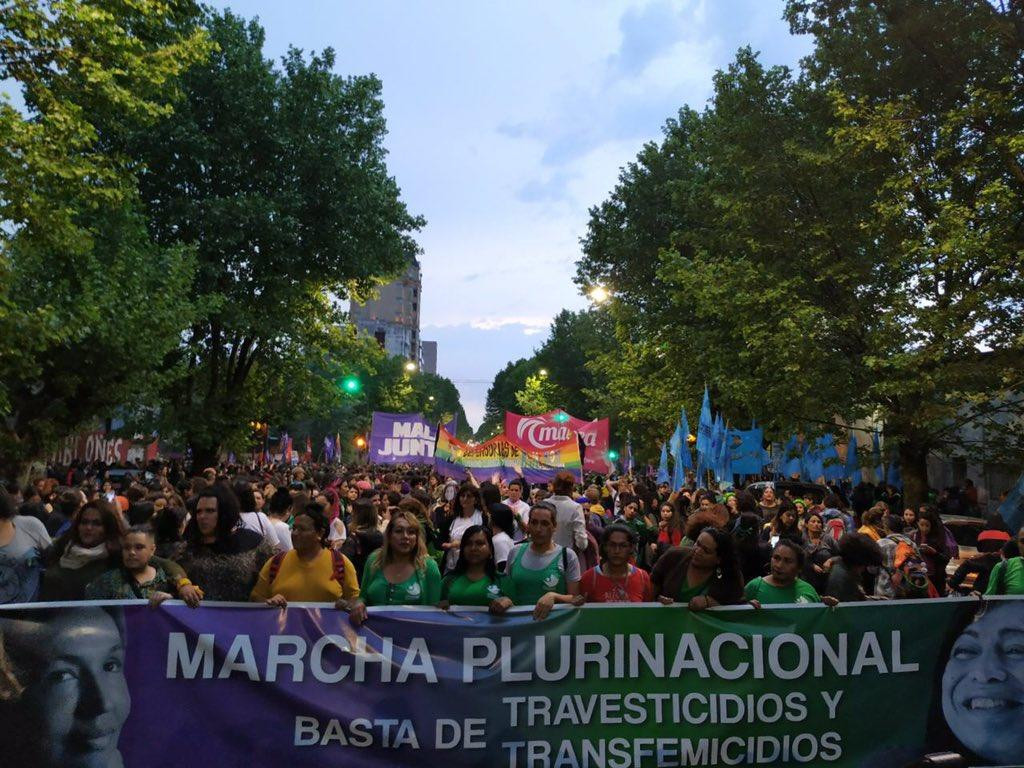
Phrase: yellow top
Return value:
(310, 581)
(868, 530)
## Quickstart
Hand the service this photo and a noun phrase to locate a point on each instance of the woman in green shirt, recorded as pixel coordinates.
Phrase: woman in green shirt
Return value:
(542, 572)
(784, 585)
(399, 573)
(475, 580)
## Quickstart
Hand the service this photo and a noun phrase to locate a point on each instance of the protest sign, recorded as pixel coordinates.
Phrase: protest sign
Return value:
(99, 445)
(401, 438)
(622, 686)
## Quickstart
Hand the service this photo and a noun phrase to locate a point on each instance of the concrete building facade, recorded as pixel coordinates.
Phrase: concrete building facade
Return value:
(428, 351)
(394, 317)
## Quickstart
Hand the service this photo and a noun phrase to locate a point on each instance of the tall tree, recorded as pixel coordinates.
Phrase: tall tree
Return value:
(88, 303)
(845, 242)
(278, 178)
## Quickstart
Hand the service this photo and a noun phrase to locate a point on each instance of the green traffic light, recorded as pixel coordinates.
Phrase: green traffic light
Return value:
(351, 384)
(561, 417)
(613, 455)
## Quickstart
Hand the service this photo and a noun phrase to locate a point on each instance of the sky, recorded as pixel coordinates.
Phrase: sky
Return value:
(507, 121)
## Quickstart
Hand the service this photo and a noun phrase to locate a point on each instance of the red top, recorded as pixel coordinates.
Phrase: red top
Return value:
(598, 588)
(672, 538)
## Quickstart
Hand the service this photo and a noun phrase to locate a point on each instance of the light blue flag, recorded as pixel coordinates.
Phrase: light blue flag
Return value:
(1012, 508)
(684, 434)
(829, 454)
(727, 474)
(704, 427)
(714, 456)
(678, 474)
(675, 444)
(876, 454)
(852, 462)
(663, 466)
(791, 464)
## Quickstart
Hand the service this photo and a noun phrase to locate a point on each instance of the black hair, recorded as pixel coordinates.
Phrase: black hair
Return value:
(364, 514)
(1011, 549)
(478, 501)
(728, 559)
(859, 549)
(144, 529)
(461, 565)
(503, 518)
(246, 496)
(7, 508)
(608, 530)
(517, 481)
(832, 501)
(801, 556)
(280, 502)
(893, 523)
(228, 514)
(34, 509)
(745, 502)
(490, 493)
(140, 513)
(315, 512)
(547, 506)
(167, 524)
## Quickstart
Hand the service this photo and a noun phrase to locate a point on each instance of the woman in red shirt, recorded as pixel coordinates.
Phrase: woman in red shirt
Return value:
(616, 580)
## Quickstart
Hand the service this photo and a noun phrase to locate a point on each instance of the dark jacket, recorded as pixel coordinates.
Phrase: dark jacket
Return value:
(669, 575)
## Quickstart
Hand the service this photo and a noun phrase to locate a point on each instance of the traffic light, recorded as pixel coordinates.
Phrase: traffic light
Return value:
(351, 385)
(561, 417)
(613, 455)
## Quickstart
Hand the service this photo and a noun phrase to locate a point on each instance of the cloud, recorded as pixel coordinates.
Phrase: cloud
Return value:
(646, 33)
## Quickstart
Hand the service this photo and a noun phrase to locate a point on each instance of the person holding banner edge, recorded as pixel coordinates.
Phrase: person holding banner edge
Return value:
(475, 579)
(544, 573)
(311, 571)
(783, 586)
(399, 573)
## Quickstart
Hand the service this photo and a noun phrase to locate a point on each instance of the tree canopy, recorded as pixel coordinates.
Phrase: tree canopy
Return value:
(842, 241)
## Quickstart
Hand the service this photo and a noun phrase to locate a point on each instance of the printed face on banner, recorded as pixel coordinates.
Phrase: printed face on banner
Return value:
(67, 697)
(983, 685)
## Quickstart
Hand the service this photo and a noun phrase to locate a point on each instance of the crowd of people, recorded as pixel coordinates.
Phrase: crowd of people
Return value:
(376, 536)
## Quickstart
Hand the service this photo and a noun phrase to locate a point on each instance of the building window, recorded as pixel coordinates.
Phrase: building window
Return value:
(380, 336)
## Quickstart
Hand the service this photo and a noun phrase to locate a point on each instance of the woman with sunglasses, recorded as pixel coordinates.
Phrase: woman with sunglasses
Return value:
(399, 573)
(469, 507)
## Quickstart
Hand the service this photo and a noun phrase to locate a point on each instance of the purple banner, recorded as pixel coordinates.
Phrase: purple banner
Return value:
(113, 685)
(401, 438)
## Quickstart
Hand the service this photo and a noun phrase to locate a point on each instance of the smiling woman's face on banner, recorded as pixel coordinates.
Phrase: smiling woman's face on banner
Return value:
(74, 698)
(983, 685)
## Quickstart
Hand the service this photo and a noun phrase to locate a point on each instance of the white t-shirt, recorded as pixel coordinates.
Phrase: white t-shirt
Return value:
(284, 534)
(459, 526)
(337, 531)
(521, 510)
(260, 523)
(502, 546)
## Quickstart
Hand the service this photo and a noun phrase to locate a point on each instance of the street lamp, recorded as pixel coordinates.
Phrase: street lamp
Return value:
(599, 294)
(410, 366)
(543, 372)
(431, 398)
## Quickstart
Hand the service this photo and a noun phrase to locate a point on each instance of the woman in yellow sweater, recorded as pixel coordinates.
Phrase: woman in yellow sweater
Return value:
(310, 572)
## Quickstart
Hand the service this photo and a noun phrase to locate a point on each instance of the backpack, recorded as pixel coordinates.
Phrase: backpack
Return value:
(337, 566)
(909, 573)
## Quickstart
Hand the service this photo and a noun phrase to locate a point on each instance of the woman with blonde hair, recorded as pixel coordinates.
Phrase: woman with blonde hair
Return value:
(399, 573)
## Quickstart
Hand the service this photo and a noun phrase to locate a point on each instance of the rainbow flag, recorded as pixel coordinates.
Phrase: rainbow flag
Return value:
(542, 468)
(448, 454)
(498, 457)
